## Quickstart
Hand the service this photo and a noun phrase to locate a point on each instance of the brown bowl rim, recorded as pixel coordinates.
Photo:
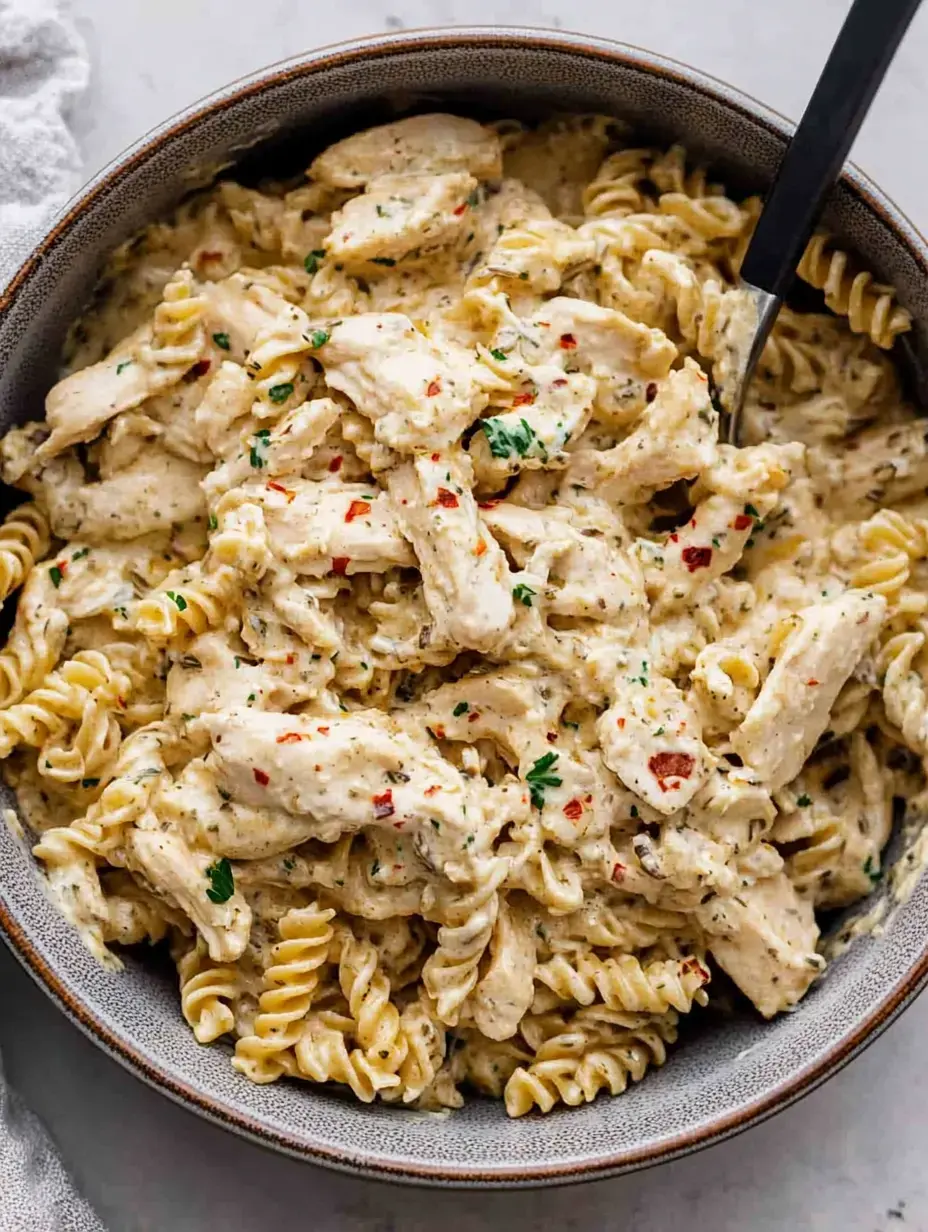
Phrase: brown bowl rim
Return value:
(415, 1172)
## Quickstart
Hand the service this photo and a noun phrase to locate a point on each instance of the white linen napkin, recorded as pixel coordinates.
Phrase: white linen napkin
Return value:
(44, 68)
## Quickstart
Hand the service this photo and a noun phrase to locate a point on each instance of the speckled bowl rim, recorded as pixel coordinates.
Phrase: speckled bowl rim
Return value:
(781, 1096)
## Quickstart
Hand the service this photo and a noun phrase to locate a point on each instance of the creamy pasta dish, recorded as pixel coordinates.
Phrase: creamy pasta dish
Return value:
(397, 641)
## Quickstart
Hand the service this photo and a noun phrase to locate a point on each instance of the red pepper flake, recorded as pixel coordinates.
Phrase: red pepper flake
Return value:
(336, 464)
(551, 737)
(473, 716)
(696, 558)
(289, 738)
(488, 504)
(674, 537)
(121, 702)
(279, 487)
(480, 548)
(291, 659)
(693, 964)
(323, 731)
(200, 368)
(433, 790)
(436, 457)
(618, 872)
(261, 778)
(811, 683)
(742, 522)
(62, 566)
(620, 723)
(383, 804)
(439, 733)
(340, 565)
(573, 810)
(568, 342)
(446, 499)
(559, 383)
(211, 255)
(671, 765)
(358, 509)
(459, 209)
(650, 392)
(524, 399)
(434, 388)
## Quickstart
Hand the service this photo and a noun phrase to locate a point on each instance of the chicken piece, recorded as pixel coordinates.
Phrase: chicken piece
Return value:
(318, 528)
(418, 145)
(464, 572)
(341, 774)
(793, 708)
(401, 217)
(651, 738)
(419, 396)
(764, 939)
(180, 874)
(505, 991)
(677, 438)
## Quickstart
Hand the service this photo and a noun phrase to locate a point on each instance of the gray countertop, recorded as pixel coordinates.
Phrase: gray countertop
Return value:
(852, 1155)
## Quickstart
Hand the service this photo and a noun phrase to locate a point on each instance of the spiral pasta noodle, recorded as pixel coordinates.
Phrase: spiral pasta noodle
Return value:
(625, 983)
(207, 992)
(869, 306)
(188, 605)
(178, 333)
(24, 539)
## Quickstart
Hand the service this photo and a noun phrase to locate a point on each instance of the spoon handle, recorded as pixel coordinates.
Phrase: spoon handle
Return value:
(813, 160)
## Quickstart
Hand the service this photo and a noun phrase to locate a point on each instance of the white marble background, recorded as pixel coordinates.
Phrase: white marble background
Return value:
(851, 1157)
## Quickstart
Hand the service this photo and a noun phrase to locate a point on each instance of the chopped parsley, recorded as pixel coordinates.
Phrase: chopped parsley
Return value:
(222, 341)
(319, 338)
(751, 511)
(538, 778)
(221, 881)
(213, 522)
(120, 368)
(289, 863)
(259, 445)
(498, 354)
(279, 394)
(804, 801)
(523, 594)
(178, 600)
(81, 554)
(474, 198)
(460, 708)
(56, 575)
(312, 259)
(504, 441)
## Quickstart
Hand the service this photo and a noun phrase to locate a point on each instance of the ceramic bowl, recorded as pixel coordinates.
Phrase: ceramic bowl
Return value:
(725, 1076)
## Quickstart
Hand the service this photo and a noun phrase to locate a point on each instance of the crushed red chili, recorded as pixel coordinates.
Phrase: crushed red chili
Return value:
(671, 765)
(560, 382)
(473, 716)
(383, 804)
(336, 464)
(279, 487)
(323, 731)
(340, 565)
(696, 558)
(568, 342)
(573, 810)
(620, 723)
(434, 388)
(431, 791)
(487, 504)
(200, 368)
(358, 509)
(446, 499)
(261, 778)
(524, 399)
(289, 738)
(291, 659)
(742, 522)
(551, 737)
(811, 683)
(459, 209)
(618, 872)
(480, 548)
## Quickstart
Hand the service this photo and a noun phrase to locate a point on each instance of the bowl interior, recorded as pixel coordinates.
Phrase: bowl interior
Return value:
(727, 1074)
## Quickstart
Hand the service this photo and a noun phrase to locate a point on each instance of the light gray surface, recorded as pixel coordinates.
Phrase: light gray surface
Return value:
(845, 1158)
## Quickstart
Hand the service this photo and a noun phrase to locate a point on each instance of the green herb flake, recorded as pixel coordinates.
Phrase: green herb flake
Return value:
(634, 810)
(499, 355)
(523, 594)
(659, 732)
(436, 824)
(222, 341)
(375, 868)
(474, 198)
(804, 801)
(538, 778)
(460, 708)
(120, 368)
(749, 509)
(221, 881)
(188, 718)
(289, 863)
(81, 554)
(56, 575)
(259, 445)
(312, 259)
(213, 522)
(319, 338)
(504, 441)
(279, 394)
(572, 726)
(873, 872)
(179, 601)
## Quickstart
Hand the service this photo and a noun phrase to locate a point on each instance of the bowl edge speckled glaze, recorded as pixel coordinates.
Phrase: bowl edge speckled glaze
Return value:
(127, 1015)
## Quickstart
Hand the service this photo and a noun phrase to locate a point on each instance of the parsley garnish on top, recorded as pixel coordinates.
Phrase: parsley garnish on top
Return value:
(221, 881)
(312, 259)
(259, 444)
(504, 441)
(538, 778)
(523, 594)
